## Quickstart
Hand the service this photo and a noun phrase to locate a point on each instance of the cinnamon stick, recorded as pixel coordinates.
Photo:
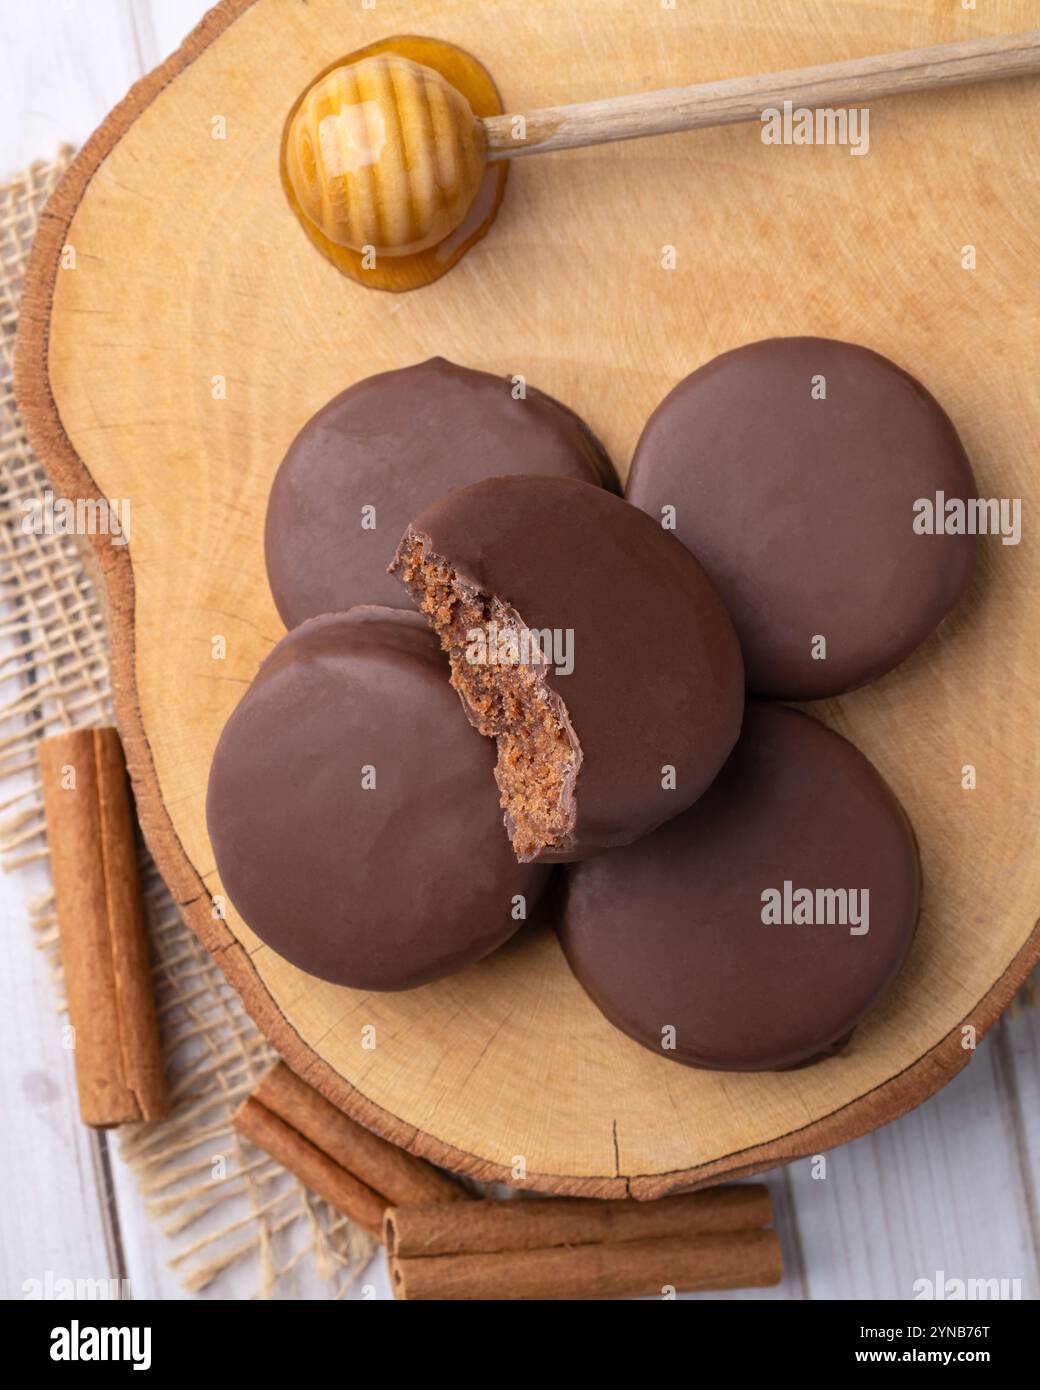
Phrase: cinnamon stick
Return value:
(492, 1226)
(355, 1171)
(627, 1269)
(314, 1169)
(104, 949)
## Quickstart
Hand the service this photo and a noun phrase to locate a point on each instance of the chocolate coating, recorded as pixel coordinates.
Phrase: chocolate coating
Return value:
(379, 889)
(801, 510)
(657, 679)
(397, 442)
(669, 931)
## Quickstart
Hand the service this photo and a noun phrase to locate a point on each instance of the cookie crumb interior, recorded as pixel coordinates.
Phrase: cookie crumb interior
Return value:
(507, 699)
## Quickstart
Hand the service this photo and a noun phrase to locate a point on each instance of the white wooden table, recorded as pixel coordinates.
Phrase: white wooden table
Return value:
(952, 1187)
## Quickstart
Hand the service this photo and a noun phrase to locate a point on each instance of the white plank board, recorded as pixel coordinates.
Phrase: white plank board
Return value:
(953, 1186)
(939, 1190)
(66, 63)
(51, 1223)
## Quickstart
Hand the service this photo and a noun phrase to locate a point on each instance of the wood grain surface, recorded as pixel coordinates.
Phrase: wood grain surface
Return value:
(189, 268)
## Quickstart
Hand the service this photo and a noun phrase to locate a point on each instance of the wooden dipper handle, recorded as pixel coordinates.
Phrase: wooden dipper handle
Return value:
(745, 98)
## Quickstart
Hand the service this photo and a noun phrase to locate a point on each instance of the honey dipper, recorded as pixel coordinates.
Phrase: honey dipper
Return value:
(385, 153)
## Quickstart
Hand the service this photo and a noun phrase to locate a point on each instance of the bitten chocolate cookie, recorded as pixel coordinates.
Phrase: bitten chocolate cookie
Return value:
(352, 812)
(791, 468)
(754, 931)
(384, 449)
(590, 645)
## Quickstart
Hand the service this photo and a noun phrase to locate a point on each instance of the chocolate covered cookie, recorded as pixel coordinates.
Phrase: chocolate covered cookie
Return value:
(795, 470)
(384, 449)
(589, 643)
(756, 930)
(352, 810)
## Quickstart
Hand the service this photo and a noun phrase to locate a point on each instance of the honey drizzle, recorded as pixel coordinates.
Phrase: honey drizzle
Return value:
(400, 273)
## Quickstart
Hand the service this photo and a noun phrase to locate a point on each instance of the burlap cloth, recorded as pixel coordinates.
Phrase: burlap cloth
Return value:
(54, 674)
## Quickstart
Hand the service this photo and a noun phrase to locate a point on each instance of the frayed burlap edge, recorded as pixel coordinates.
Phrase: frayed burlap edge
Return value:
(221, 1201)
